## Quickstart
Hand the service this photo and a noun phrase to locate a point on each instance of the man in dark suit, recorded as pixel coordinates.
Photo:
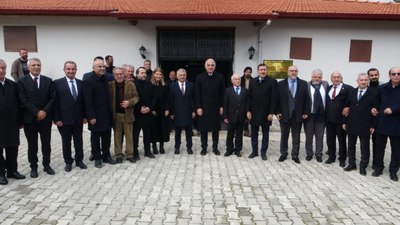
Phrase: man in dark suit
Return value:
(182, 109)
(209, 92)
(359, 122)
(37, 96)
(98, 113)
(10, 122)
(388, 126)
(314, 125)
(69, 115)
(335, 103)
(235, 115)
(261, 105)
(293, 109)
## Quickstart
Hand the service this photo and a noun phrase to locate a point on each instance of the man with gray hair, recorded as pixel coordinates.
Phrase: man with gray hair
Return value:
(128, 72)
(314, 125)
(37, 96)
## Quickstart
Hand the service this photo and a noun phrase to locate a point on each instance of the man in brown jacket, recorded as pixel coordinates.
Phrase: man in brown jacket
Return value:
(123, 96)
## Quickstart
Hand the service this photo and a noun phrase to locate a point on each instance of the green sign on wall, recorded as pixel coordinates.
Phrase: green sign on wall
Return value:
(278, 68)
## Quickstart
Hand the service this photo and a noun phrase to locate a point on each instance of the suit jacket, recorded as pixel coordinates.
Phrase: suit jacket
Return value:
(182, 106)
(10, 111)
(34, 99)
(96, 102)
(130, 94)
(360, 120)
(67, 110)
(235, 105)
(262, 100)
(335, 106)
(388, 97)
(148, 97)
(301, 100)
(16, 69)
(324, 85)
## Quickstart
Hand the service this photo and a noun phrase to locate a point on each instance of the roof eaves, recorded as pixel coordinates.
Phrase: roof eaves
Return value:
(339, 16)
(174, 16)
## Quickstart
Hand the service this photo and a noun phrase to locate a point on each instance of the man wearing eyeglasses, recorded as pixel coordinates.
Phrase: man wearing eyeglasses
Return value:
(388, 112)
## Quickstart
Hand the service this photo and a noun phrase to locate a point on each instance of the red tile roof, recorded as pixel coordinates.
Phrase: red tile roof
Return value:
(205, 9)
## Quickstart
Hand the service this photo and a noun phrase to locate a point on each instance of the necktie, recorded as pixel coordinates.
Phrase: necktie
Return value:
(237, 91)
(334, 92)
(292, 87)
(360, 95)
(35, 82)
(74, 94)
(182, 88)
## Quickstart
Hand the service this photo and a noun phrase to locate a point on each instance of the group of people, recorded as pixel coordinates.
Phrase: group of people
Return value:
(147, 103)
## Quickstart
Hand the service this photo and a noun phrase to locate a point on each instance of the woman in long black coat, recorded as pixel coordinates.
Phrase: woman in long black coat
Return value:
(160, 131)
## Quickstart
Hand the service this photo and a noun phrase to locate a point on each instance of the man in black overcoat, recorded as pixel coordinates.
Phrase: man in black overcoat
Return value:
(209, 93)
(10, 122)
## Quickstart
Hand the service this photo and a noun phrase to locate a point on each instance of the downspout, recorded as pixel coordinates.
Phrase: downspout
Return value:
(259, 47)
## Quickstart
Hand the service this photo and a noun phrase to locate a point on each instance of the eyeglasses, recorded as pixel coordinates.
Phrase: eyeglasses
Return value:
(394, 74)
(293, 70)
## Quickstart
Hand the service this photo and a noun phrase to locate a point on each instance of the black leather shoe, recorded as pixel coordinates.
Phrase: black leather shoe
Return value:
(216, 152)
(68, 167)
(34, 173)
(15, 175)
(3, 180)
(177, 151)
(350, 168)
(238, 154)
(319, 159)
(228, 153)
(282, 158)
(49, 170)
(252, 155)
(109, 160)
(98, 163)
(136, 157)
(264, 157)
(91, 158)
(149, 155)
(190, 151)
(162, 150)
(132, 160)
(329, 161)
(296, 160)
(203, 151)
(342, 163)
(377, 172)
(394, 177)
(155, 151)
(119, 160)
(309, 157)
(81, 165)
(363, 171)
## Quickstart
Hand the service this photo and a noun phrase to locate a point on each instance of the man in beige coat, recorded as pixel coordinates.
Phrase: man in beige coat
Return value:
(123, 96)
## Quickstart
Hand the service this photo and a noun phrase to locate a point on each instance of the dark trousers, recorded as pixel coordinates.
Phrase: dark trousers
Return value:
(381, 141)
(295, 129)
(334, 130)
(188, 134)
(146, 138)
(32, 132)
(373, 138)
(69, 132)
(264, 140)
(204, 139)
(235, 130)
(100, 142)
(364, 147)
(314, 127)
(9, 162)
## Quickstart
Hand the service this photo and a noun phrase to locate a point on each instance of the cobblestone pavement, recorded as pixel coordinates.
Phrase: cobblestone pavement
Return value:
(195, 189)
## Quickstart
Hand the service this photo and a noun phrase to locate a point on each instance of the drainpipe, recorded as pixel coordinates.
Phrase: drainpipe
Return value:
(266, 24)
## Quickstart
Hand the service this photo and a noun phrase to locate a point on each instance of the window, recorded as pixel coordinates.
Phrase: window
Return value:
(360, 51)
(17, 37)
(300, 48)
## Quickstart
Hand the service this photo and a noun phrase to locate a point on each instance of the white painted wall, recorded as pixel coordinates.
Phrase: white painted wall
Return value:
(82, 38)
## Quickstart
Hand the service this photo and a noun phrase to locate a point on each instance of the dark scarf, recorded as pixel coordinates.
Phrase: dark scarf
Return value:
(318, 109)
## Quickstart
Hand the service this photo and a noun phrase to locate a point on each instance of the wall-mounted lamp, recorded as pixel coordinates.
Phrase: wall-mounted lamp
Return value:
(251, 50)
(142, 51)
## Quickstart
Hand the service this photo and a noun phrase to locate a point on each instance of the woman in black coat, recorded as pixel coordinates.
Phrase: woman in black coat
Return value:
(160, 131)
